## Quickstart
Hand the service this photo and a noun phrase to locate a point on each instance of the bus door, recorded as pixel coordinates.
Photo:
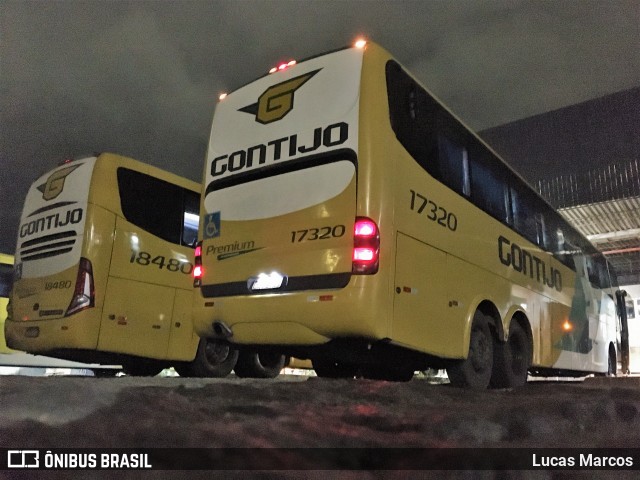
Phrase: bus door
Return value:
(136, 317)
(585, 318)
(420, 302)
(150, 266)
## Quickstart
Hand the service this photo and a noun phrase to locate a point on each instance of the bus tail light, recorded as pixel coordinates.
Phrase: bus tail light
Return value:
(84, 294)
(197, 268)
(366, 246)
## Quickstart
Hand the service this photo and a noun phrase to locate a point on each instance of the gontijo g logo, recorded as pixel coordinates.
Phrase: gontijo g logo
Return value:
(55, 183)
(277, 100)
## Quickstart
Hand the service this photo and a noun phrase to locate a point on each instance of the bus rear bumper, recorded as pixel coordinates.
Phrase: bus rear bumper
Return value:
(304, 318)
(44, 335)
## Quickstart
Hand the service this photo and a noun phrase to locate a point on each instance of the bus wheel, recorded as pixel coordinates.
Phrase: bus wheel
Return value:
(259, 365)
(511, 359)
(143, 367)
(213, 359)
(327, 368)
(475, 370)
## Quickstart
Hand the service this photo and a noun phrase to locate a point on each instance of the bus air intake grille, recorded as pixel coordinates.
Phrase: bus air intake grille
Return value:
(48, 246)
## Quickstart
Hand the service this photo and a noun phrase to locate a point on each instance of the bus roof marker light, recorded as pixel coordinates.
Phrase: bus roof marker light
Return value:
(360, 43)
(222, 96)
(283, 66)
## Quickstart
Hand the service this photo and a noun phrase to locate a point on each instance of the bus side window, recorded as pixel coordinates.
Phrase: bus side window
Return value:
(453, 161)
(541, 231)
(488, 191)
(524, 215)
(413, 117)
(150, 203)
(191, 218)
(631, 313)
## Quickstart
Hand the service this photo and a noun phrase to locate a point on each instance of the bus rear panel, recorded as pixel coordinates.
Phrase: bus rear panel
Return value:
(286, 252)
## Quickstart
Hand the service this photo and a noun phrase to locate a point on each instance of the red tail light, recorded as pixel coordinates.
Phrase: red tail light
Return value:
(197, 268)
(363, 254)
(84, 294)
(197, 271)
(366, 246)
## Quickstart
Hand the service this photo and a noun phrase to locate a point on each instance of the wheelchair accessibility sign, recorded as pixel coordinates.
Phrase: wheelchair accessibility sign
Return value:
(212, 225)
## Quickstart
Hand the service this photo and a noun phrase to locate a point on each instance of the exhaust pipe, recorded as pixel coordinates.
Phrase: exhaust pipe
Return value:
(221, 329)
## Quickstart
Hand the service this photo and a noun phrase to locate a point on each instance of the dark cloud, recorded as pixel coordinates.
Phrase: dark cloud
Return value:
(141, 78)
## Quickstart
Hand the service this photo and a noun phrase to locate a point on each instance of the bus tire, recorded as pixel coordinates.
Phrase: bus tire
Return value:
(143, 367)
(328, 368)
(475, 370)
(511, 359)
(213, 359)
(259, 365)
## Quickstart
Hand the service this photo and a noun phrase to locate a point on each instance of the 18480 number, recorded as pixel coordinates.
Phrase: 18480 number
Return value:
(160, 261)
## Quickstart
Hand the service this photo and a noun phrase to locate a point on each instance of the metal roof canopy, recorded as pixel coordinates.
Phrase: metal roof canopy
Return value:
(613, 226)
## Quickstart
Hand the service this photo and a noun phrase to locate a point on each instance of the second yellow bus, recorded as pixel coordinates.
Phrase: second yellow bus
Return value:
(103, 270)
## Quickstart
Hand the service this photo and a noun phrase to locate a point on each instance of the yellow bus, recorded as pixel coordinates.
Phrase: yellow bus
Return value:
(103, 269)
(350, 218)
(17, 362)
(6, 282)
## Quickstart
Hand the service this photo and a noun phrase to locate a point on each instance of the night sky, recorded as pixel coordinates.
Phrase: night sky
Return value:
(142, 78)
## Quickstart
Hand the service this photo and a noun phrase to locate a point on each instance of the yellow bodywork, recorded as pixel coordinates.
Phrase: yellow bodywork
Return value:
(5, 260)
(432, 276)
(143, 285)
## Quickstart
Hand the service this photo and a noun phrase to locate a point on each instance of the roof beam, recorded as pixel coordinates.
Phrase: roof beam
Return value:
(614, 236)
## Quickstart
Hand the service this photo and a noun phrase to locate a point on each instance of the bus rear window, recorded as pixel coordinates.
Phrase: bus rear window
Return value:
(151, 204)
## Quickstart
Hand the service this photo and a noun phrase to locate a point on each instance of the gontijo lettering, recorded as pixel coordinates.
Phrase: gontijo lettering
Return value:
(514, 256)
(49, 222)
(280, 148)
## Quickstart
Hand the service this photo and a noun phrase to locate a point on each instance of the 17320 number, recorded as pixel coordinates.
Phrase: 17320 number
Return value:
(421, 204)
(321, 233)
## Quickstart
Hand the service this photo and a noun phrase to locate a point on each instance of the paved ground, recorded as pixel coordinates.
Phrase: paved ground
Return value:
(290, 412)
